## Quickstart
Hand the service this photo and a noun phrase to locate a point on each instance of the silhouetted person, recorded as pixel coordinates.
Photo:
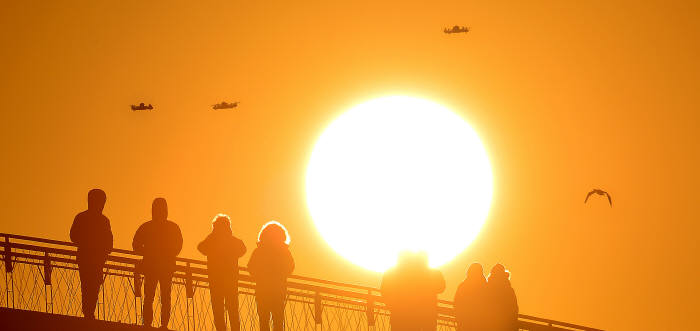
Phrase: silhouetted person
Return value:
(410, 291)
(469, 300)
(92, 233)
(223, 251)
(159, 241)
(270, 265)
(501, 301)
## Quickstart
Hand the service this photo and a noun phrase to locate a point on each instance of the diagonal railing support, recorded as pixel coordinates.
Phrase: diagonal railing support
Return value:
(346, 306)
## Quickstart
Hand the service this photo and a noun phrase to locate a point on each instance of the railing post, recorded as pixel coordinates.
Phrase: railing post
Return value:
(8, 254)
(9, 279)
(318, 309)
(48, 289)
(137, 293)
(189, 291)
(370, 309)
(47, 269)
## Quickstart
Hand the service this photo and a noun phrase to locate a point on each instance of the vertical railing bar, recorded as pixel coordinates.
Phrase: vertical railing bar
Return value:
(104, 303)
(7, 288)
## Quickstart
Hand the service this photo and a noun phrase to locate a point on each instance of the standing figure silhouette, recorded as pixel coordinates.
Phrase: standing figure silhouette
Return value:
(501, 301)
(159, 241)
(92, 233)
(270, 265)
(223, 251)
(469, 300)
(410, 291)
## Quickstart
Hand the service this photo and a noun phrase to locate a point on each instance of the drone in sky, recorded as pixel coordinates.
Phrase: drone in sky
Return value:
(456, 29)
(225, 105)
(142, 106)
(598, 192)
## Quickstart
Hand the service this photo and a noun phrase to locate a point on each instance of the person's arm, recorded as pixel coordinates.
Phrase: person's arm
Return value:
(439, 282)
(240, 248)
(75, 230)
(460, 296)
(386, 292)
(178, 242)
(289, 263)
(137, 243)
(204, 247)
(253, 264)
(109, 238)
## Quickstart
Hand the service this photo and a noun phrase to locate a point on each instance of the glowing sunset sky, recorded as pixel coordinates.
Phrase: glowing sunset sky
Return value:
(566, 96)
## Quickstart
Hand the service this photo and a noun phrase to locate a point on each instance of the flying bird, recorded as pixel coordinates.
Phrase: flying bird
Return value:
(225, 105)
(598, 192)
(142, 106)
(456, 29)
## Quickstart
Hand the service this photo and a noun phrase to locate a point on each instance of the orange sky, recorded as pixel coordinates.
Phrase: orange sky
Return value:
(565, 95)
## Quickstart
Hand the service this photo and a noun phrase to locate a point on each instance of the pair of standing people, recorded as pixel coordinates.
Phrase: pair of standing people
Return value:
(270, 265)
(482, 305)
(158, 240)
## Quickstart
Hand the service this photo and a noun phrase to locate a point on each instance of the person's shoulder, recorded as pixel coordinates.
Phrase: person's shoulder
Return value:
(237, 240)
(390, 272)
(81, 215)
(145, 226)
(172, 225)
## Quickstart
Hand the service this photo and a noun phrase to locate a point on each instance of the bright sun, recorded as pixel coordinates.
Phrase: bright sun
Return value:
(398, 173)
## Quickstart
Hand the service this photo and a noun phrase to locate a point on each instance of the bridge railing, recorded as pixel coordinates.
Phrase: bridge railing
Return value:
(42, 275)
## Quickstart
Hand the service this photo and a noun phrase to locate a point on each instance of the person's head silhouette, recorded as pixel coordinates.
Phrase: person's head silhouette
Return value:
(404, 258)
(475, 271)
(96, 200)
(159, 209)
(421, 259)
(273, 233)
(221, 223)
(499, 272)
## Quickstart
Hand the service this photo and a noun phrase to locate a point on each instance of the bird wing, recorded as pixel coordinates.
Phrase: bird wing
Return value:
(588, 195)
(609, 199)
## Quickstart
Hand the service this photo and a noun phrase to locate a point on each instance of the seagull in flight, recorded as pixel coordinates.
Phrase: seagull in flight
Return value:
(598, 192)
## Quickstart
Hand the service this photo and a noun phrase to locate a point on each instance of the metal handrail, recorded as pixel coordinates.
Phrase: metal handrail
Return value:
(191, 270)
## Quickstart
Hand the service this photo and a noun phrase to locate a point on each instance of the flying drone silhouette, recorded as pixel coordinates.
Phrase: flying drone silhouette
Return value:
(142, 106)
(456, 29)
(598, 192)
(225, 105)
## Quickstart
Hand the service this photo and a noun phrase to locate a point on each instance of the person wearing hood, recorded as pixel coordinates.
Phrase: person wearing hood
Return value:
(159, 241)
(270, 265)
(223, 250)
(469, 299)
(92, 233)
(501, 301)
